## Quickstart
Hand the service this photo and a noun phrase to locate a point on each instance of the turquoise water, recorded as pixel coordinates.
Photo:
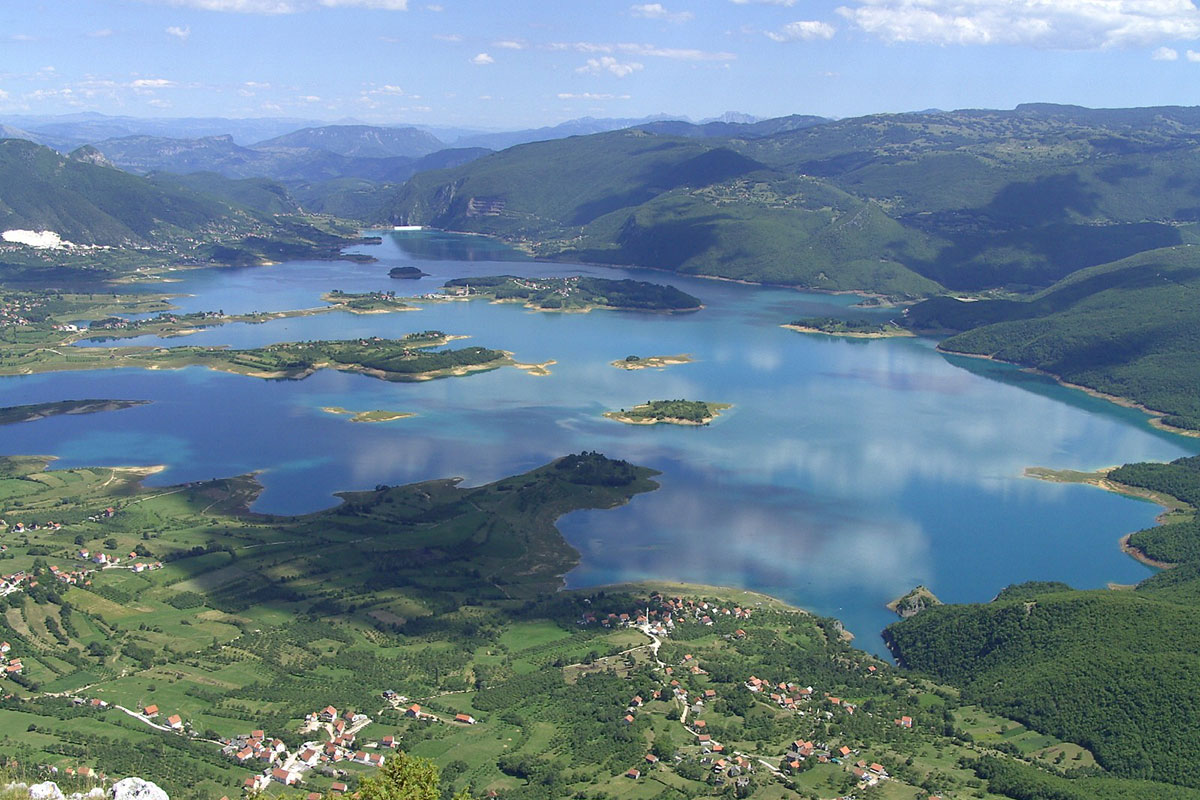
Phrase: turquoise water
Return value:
(847, 471)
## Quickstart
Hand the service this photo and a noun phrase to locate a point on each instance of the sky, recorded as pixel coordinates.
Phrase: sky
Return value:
(504, 65)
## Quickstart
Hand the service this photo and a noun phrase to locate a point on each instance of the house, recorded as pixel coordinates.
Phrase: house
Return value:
(328, 714)
(150, 711)
(845, 751)
(308, 756)
(285, 777)
(338, 788)
(466, 719)
(175, 721)
(633, 774)
(414, 711)
(905, 722)
(629, 719)
(388, 741)
(651, 758)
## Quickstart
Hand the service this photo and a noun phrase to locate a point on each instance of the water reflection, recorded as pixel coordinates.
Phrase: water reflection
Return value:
(847, 471)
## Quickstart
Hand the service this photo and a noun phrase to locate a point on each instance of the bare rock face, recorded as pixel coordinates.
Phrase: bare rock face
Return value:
(137, 789)
(45, 791)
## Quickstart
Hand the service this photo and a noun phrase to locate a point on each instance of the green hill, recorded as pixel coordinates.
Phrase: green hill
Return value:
(1115, 671)
(145, 221)
(896, 203)
(1130, 329)
(692, 205)
(363, 141)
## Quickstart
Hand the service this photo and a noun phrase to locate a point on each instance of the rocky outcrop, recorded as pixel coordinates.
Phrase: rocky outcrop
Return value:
(137, 789)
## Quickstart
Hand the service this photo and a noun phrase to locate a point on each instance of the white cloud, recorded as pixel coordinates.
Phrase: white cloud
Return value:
(597, 66)
(509, 45)
(785, 3)
(309, 98)
(441, 37)
(434, 8)
(256, 85)
(591, 96)
(22, 37)
(679, 54)
(281, 6)
(3, 95)
(1165, 54)
(179, 32)
(103, 33)
(482, 58)
(1062, 24)
(658, 11)
(1192, 55)
(802, 31)
(152, 83)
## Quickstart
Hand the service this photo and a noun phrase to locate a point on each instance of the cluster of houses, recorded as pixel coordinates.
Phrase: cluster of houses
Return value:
(288, 768)
(12, 664)
(662, 614)
(15, 311)
(174, 721)
(15, 581)
(74, 577)
(21, 527)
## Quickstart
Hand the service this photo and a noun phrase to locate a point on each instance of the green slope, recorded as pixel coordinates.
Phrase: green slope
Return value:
(1131, 329)
(1115, 671)
(690, 205)
(90, 204)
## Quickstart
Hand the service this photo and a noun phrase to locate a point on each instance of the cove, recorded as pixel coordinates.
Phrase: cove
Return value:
(846, 472)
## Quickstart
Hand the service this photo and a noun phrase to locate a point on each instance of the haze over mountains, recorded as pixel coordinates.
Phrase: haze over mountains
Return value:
(905, 205)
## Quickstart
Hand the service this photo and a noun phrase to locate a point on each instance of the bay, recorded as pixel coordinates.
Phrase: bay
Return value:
(846, 472)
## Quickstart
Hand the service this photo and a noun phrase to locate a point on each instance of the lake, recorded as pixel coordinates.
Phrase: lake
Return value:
(846, 472)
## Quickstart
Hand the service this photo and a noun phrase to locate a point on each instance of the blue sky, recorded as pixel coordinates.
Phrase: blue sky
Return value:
(508, 65)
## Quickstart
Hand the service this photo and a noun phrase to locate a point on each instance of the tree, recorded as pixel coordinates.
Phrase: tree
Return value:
(405, 777)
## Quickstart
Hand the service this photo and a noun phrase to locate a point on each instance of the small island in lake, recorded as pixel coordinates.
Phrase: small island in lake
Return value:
(377, 415)
(651, 362)
(671, 412)
(914, 602)
(407, 273)
(575, 293)
(366, 303)
(851, 328)
(35, 411)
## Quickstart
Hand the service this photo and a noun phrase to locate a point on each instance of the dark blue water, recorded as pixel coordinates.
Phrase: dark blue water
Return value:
(847, 471)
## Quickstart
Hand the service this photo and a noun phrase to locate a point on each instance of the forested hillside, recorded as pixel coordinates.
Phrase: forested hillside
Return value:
(1115, 671)
(965, 200)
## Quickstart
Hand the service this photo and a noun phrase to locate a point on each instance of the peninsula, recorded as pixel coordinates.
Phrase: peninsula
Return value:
(671, 412)
(575, 293)
(849, 328)
(35, 411)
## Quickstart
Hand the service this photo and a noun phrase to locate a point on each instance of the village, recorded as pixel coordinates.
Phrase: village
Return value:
(658, 620)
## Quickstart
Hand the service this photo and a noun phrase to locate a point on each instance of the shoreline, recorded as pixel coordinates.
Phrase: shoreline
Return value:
(652, 362)
(1099, 479)
(900, 333)
(891, 301)
(1156, 417)
(714, 410)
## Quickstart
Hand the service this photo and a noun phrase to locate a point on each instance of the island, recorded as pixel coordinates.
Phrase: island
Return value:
(35, 411)
(366, 303)
(849, 328)
(407, 273)
(671, 412)
(651, 362)
(574, 293)
(377, 415)
(913, 602)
